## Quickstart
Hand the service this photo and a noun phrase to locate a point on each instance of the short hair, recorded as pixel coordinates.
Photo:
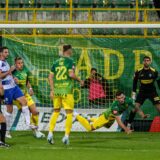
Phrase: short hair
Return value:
(93, 69)
(17, 58)
(146, 57)
(118, 93)
(3, 48)
(66, 47)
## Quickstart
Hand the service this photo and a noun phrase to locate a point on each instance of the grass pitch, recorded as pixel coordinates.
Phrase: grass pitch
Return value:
(84, 146)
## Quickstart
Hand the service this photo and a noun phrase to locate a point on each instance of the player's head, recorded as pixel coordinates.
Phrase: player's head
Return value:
(146, 61)
(67, 50)
(19, 63)
(93, 71)
(120, 97)
(4, 53)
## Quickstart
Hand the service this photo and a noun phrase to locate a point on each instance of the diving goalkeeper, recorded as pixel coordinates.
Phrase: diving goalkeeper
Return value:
(107, 118)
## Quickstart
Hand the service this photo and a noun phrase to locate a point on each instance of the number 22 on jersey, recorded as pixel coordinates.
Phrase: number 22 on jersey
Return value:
(61, 73)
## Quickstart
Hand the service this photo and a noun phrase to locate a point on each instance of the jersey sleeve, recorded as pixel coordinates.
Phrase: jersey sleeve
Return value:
(29, 74)
(53, 69)
(131, 103)
(115, 110)
(71, 65)
(156, 75)
(158, 80)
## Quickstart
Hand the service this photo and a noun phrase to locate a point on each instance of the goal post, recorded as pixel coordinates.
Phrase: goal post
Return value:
(74, 26)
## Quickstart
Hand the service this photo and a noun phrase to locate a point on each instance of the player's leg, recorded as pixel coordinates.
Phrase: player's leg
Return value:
(18, 95)
(83, 121)
(8, 98)
(35, 120)
(57, 103)
(123, 119)
(158, 107)
(8, 116)
(34, 116)
(3, 128)
(141, 97)
(155, 100)
(68, 126)
(100, 122)
(68, 104)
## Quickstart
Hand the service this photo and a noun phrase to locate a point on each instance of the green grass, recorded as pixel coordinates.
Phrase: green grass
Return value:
(84, 146)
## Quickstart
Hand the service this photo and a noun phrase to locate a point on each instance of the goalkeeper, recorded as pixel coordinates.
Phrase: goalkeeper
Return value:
(21, 78)
(107, 118)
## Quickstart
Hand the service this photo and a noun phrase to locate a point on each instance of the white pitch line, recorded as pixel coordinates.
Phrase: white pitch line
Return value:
(88, 148)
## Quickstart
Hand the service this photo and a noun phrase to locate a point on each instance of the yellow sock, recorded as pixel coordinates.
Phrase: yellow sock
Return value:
(34, 119)
(68, 124)
(100, 122)
(84, 122)
(53, 121)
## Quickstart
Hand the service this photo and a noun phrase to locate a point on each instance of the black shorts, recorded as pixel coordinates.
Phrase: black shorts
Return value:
(152, 96)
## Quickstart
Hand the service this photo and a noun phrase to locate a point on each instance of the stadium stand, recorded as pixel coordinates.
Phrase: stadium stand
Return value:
(89, 11)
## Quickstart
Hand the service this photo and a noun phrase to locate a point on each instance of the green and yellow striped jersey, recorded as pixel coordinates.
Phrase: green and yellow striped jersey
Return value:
(63, 84)
(22, 76)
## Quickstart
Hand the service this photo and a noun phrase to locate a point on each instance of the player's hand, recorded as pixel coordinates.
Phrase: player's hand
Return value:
(128, 131)
(51, 94)
(146, 116)
(16, 80)
(12, 68)
(31, 92)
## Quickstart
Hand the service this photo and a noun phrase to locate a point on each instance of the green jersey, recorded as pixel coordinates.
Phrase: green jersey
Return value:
(117, 109)
(22, 76)
(63, 83)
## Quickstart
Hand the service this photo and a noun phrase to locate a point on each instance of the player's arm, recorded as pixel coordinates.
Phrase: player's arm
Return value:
(157, 75)
(137, 109)
(73, 76)
(1, 90)
(51, 83)
(28, 84)
(15, 78)
(3, 75)
(29, 87)
(85, 83)
(140, 112)
(135, 81)
(121, 124)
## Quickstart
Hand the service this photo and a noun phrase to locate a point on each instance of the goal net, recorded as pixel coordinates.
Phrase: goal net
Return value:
(114, 59)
